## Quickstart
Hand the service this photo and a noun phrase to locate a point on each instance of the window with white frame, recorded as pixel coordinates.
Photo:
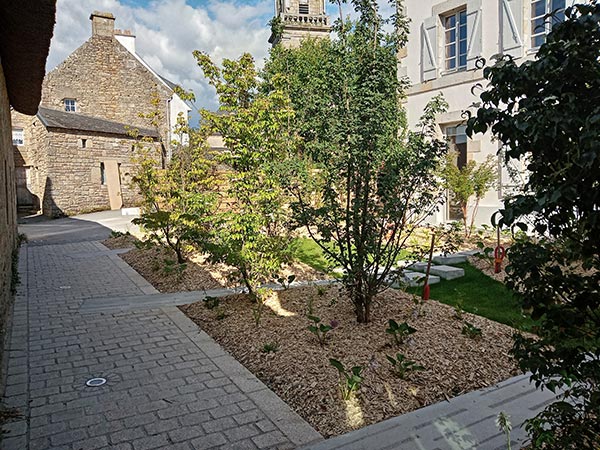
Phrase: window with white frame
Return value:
(18, 137)
(455, 41)
(70, 105)
(541, 22)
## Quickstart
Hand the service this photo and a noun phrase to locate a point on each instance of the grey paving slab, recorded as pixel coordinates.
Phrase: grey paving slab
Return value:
(158, 300)
(466, 422)
(169, 385)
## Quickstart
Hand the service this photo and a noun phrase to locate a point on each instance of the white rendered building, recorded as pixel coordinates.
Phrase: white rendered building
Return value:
(446, 39)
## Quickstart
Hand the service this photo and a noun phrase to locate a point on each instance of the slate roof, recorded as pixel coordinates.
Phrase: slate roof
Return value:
(26, 27)
(53, 118)
(169, 83)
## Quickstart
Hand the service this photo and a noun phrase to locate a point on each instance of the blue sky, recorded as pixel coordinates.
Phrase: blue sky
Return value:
(167, 31)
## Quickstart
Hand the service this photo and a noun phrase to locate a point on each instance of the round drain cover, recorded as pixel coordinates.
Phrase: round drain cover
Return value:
(95, 382)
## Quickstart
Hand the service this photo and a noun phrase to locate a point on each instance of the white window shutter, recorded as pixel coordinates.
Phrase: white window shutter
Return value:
(511, 27)
(429, 49)
(474, 35)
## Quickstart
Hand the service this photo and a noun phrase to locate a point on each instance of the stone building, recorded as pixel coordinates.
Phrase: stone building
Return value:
(25, 31)
(446, 38)
(75, 155)
(75, 163)
(299, 19)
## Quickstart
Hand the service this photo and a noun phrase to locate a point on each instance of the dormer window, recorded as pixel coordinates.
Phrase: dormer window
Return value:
(303, 7)
(70, 105)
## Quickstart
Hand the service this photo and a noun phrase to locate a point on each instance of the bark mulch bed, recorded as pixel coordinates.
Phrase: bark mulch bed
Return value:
(487, 267)
(158, 266)
(123, 241)
(300, 372)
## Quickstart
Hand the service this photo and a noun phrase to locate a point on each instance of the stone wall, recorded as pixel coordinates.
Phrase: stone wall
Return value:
(107, 81)
(32, 154)
(8, 212)
(73, 177)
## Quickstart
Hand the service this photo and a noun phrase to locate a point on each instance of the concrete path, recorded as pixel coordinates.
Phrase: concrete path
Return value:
(169, 385)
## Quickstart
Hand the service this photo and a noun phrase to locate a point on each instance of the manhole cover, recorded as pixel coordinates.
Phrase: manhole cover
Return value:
(95, 382)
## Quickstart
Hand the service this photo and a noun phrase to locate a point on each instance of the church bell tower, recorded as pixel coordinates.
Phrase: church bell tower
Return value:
(298, 19)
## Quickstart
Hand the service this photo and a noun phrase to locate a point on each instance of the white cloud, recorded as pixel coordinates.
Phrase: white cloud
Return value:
(167, 31)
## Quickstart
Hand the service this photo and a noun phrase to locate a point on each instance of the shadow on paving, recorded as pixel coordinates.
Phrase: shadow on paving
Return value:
(41, 230)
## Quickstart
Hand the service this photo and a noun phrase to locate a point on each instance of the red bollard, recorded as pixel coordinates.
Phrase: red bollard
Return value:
(499, 254)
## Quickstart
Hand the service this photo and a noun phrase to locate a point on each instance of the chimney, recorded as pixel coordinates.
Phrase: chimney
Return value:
(103, 24)
(127, 39)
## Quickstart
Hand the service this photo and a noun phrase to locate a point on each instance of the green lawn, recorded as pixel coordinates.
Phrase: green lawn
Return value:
(480, 295)
(311, 254)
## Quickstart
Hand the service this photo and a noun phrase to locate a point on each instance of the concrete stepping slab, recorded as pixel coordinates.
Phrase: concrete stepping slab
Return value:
(470, 252)
(450, 259)
(418, 267)
(447, 272)
(414, 279)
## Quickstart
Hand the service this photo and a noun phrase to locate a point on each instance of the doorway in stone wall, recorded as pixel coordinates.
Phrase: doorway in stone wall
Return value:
(112, 178)
(457, 143)
(25, 199)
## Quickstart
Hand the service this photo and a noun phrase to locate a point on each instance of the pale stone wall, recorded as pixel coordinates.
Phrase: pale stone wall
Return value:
(32, 154)
(107, 81)
(73, 181)
(8, 212)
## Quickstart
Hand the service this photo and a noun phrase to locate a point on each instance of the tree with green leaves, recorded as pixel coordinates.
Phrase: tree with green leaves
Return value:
(371, 182)
(179, 200)
(467, 185)
(250, 232)
(547, 111)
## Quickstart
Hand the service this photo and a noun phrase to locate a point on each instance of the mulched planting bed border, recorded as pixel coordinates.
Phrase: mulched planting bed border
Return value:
(300, 372)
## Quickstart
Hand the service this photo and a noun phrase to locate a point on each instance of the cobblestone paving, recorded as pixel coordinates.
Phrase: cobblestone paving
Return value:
(168, 384)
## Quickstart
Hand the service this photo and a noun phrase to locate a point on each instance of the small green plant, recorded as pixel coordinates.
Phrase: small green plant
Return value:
(260, 297)
(173, 267)
(270, 347)
(220, 314)
(471, 330)
(402, 366)
(350, 380)
(211, 302)
(321, 290)
(458, 310)
(284, 281)
(310, 305)
(399, 332)
(504, 425)
(318, 329)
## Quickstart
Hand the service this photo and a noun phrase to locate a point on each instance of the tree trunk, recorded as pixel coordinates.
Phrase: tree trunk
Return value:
(362, 306)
